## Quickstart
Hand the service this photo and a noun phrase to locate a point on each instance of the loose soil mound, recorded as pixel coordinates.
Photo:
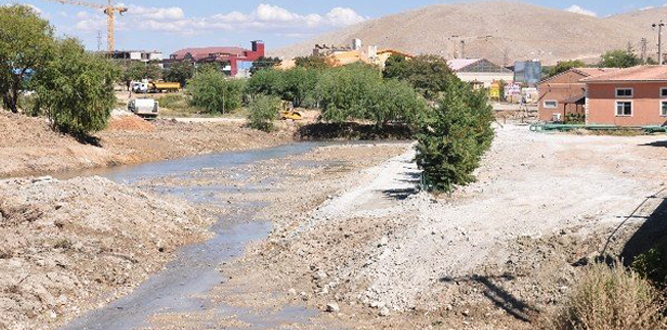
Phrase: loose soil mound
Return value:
(66, 242)
(130, 123)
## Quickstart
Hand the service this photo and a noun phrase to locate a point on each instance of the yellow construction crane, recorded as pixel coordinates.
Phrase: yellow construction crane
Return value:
(109, 9)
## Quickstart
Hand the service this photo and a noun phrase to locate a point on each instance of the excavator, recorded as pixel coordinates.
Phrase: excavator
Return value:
(288, 112)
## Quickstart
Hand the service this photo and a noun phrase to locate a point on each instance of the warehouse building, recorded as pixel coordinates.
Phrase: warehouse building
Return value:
(480, 73)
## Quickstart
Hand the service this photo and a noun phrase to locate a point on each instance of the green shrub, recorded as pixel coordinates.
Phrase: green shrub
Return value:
(453, 138)
(76, 89)
(263, 110)
(174, 102)
(428, 74)
(28, 104)
(267, 82)
(652, 265)
(393, 101)
(210, 90)
(611, 299)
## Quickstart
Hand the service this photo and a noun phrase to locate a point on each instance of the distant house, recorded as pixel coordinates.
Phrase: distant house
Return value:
(634, 96)
(480, 72)
(565, 94)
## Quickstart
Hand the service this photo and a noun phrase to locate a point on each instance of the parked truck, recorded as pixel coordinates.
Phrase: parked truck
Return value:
(145, 108)
(150, 86)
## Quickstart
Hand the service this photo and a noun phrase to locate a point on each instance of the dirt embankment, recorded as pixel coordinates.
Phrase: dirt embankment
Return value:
(29, 146)
(70, 246)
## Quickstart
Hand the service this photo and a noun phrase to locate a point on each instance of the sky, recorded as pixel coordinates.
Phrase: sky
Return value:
(169, 25)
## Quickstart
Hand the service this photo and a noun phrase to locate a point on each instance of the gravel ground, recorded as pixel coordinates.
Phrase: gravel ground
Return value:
(496, 254)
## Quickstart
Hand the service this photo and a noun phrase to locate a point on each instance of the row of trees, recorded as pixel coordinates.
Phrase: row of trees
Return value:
(73, 88)
(452, 123)
(619, 58)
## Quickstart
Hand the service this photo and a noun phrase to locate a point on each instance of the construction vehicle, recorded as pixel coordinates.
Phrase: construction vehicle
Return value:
(288, 112)
(109, 9)
(145, 108)
(163, 87)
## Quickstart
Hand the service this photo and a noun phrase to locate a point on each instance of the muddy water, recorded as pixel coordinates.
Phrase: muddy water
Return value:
(193, 271)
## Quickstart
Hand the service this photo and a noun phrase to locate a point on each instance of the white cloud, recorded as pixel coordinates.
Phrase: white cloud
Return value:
(343, 17)
(579, 10)
(646, 8)
(168, 13)
(264, 17)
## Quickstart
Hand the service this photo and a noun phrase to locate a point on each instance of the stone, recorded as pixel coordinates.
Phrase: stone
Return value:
(333, 308)
(384, 312)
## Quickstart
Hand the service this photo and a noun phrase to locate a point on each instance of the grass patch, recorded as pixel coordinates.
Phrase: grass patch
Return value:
(611, 299)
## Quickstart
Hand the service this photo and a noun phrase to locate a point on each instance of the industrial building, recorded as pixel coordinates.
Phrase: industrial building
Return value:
(629, 97)
(480, 73)
(236, 61)
(565, 94)
(138, 55)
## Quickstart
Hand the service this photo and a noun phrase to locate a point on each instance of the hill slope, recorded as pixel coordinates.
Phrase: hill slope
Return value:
(517, 32)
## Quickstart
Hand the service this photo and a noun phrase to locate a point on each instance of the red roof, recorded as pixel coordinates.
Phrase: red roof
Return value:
(199, 53)
(646, 73)
(586, 72)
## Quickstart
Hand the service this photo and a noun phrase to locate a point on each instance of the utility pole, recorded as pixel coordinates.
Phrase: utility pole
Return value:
(659, 26)
(643, 46)
(99, 41)
(463, 49)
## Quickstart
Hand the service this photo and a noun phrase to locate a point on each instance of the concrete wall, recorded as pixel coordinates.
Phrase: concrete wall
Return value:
(646, 103)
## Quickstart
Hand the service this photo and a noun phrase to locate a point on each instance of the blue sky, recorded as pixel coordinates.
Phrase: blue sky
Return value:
(168, 25)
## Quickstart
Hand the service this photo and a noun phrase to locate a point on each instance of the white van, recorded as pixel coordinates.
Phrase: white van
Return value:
(144, 107)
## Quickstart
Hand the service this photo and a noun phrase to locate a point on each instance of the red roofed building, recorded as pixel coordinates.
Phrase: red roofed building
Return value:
(634, 96)
(565, 94)
(237, 58)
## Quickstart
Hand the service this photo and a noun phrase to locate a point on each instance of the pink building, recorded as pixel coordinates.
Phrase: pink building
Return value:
(634, 96)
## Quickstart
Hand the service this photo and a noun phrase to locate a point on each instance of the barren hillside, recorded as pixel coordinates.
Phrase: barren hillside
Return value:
(499, 31)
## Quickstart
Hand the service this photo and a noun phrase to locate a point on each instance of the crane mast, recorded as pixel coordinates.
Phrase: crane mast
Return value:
(109, 9)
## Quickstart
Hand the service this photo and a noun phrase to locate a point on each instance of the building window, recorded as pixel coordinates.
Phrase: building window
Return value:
(663, 108)
(624, 92)
(550, 104)
(663, 92)
(623, 108)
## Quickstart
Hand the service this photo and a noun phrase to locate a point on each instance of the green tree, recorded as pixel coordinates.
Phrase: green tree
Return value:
(619, 59)
(396, 67)
(343, 92)
(268, 82)
(265, 63)
(210, 90)
(312, 62)
(139, 71)
(263, 110)
(299, 86)
(76, 89)
(26, 44)
(565, 66)
(454, 137)
(428, 74)
(180, 72)
(394, 101)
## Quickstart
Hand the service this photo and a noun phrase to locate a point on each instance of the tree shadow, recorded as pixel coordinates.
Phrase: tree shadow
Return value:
(652, 233)
(400, 194)
(660, 144)
(500, 297)
(353, 131)
(88, 140)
